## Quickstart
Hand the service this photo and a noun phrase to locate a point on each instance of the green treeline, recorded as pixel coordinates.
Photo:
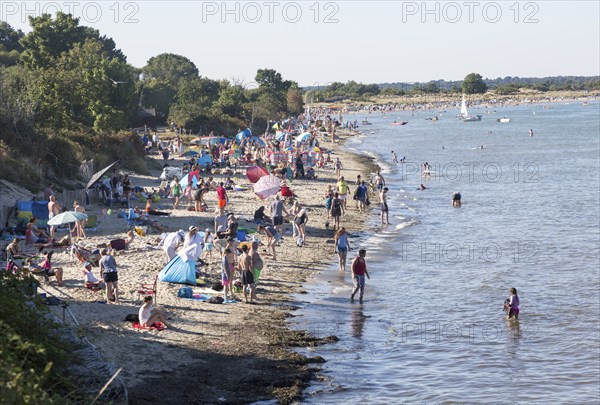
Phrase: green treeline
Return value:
(473, 83)
(67, 94)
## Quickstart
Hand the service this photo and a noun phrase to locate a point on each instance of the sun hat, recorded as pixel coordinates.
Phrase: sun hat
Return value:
(192, 228)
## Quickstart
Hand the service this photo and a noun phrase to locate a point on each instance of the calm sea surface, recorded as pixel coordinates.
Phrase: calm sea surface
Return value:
(431, 330)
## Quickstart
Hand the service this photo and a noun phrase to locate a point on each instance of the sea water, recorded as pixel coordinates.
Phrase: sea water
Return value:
(432, 329)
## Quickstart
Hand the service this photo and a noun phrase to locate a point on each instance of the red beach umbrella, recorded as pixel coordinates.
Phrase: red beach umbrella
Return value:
(254, 173)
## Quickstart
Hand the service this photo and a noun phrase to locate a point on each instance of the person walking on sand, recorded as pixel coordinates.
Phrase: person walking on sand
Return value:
(277, 210)
(342, 245)
(343, 190)
(359, 271)
(227, 270)
(384, 206)
(336, 210)
(108, 269)
(512, 305)
(273, 237)
(176, 192)
(221, 195)
(338, 167)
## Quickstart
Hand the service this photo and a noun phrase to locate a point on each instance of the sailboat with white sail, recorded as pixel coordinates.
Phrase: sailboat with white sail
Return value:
(464, 113)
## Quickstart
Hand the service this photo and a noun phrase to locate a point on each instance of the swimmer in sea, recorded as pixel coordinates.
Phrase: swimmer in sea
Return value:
(422, 187)
(531, 132)
(456, 199)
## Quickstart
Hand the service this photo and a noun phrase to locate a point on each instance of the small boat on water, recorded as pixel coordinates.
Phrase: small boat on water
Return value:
(399, 123)
(464, 113)
(366, 122)
(503, 119)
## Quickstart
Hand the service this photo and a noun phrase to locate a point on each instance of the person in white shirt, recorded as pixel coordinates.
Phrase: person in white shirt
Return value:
(193, 237)
(148, 314)
(171, 242)
(90, 279)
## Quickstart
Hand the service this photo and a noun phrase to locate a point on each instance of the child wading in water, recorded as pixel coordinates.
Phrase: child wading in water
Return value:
(359, 271)
(512, 304)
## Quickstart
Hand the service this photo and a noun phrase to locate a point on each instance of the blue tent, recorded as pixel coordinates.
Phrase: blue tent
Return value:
(179, 271)
(257, 141)
(204, 160)
(185, 180)
(303, 137)
(246, 133)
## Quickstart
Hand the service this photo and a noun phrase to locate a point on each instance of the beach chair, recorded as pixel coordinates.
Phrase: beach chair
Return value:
(149, 289)
(134, 219)
(83, 255)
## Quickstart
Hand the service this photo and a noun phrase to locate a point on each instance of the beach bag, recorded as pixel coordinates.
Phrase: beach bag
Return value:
(185, 292)
(218, 286)
(328, 202)
(141, 230)
(132, 318)
(367, 201)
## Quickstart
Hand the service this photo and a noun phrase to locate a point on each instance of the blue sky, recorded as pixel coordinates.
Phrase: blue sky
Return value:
(315, 43)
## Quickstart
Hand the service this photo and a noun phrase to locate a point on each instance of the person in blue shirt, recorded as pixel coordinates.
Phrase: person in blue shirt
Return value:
(361, 196)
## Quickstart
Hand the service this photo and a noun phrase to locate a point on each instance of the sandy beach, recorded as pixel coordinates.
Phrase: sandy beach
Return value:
(228, 353)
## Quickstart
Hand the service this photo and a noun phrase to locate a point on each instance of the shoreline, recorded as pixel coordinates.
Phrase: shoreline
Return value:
(233, 353)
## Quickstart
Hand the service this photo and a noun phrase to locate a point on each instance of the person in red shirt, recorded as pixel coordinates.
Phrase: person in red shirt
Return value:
(221, 195)
(359, 271)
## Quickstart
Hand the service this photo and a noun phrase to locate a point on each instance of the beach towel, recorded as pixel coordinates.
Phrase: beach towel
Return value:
(208, 297)
(201, 297)
(154, 326)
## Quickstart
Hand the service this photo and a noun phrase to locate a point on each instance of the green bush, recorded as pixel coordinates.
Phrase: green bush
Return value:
(32, 354)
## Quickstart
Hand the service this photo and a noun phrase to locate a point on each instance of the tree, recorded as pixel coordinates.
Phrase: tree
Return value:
(473, 84)
(158, 94)
(231, 99)
(194, 101)
(9, 38)
(49, 38)
(295, 104)
(169, 68)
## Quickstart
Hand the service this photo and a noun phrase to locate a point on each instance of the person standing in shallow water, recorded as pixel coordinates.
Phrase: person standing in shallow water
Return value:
(359, 271)
(384, 206)
(513, 304)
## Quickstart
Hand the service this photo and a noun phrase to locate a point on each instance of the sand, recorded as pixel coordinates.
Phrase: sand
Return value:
(228, 353)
